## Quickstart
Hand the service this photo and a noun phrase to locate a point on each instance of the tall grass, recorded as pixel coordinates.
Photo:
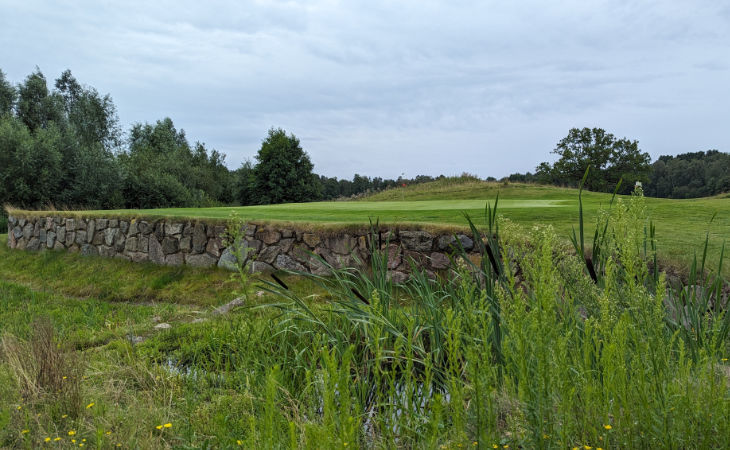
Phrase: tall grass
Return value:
(523, 347)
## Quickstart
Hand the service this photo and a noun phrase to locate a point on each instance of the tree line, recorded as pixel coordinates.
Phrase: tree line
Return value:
(688, 175)
(62, 146)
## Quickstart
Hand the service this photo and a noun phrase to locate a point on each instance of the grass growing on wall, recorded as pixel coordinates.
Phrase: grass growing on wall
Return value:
(525, 350)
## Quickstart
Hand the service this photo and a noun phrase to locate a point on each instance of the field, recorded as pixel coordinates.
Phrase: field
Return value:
(681, 225)
(530, 352)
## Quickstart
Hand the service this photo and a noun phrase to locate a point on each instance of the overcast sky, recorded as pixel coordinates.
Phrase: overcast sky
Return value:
(382, 88)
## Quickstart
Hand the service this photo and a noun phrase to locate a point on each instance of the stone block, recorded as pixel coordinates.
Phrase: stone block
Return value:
(109, 235)
(114, 223)
(156, 254)
(98, 238)
(268, 236)
(173, 229)
(419, 241)
(106, 251)
(286, 262)
(89, 250)
(200, 238)
(175, 259)
(214, 247)
(439, 261)
(186, 243)
(70, 238)
(131, 245)
(34, 244)
(81, 237)
(123, 226)
(170, 245)
(102, 223)
(91, 229)
(50, 239)
(201, 260)
(61, 234)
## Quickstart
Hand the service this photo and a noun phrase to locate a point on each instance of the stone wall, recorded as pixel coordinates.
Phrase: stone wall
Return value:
(173, 242)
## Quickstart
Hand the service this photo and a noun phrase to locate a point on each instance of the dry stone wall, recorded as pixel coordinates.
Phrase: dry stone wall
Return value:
(200, 244)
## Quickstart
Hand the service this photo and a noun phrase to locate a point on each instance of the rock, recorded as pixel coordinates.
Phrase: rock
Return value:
(138, 257)
(90, 229)
(225, 309)
(81, 237)
(188, 229)
(89, 250)
(50, 239)
(59, 246)
(170, 245)
(287, 233)
(17, 232)
(253, 245)
(42, 237)
(259, 267)
(123, 226)
(286, 262)
(131, 245)
(80, 224)
(341, 244)
(268, 236)
(214, 247)
(106, 251)
(419, 241)
(37, 228)
(61, 234)
(70, 238)
(109, 235)
(70, 225)
(395, 256)
(20, 243)
(144, 227)
(114, 223)
(28, 231)
(201, 260)
(199, 320)
(133, 228)
(200, 239)
(397, 277)
(163, 326)
(22, 222)
(11, 240)
(186, 243)
(74, 248)
(101, 223)
(136, 339)
(227, 260)
(216, 231)
(269, 254)
(176, 259)
(439, 261)
(34, 244)
(156, 254)
(448, 242)
(143, 244)
(173, 229)
(159, 228)
(98, 238)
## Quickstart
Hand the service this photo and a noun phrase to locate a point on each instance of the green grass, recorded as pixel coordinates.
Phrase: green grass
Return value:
(546, 359)
(681, 224)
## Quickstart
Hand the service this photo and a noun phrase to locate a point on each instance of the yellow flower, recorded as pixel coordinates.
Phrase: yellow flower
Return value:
(64, 416)
(83, 440)
(546, 436)
(90, 405)
(108, 432)
(56, 439)
(73, 441)
(239, 443)
(81, 445)
(608, 427)
(475, 443)
(19, 407)
(71, 432)
(47, 439)
(64, 377)
(168, 425)
(25, 432)
(587, 447)
(344, 444)
(495, 446)
(159, 427)
(723, 359)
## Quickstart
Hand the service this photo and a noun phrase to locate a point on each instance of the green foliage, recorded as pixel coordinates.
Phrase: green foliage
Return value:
(283, 173)
(690, 175)
(610, 160)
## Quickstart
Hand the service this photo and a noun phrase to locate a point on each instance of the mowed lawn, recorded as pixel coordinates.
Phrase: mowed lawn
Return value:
(681, 224)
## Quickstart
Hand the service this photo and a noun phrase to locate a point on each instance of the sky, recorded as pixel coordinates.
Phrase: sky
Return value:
(385, 88)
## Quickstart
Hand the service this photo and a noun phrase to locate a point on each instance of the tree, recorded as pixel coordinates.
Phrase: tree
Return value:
(283, 173)
(610, 160)
(7, 95)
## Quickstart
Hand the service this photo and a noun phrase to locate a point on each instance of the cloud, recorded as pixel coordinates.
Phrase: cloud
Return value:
(373, 87)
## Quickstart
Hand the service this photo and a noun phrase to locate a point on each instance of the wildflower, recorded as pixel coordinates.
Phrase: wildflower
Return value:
(64, 416)
(81, 445)
(344, 444)
(167, 425)
(25, 432)
(90, 405)
(495, 446)
(109, 432)
(608, 427)
(724, 360)
(587, 447)
(546, 436)
(64, 377)
(56, 439)
(19, 407)
(83, 440)
(71, 432)
(475, 443)
(159, 427)
(73, 441)
(239, 442)
(47, 439)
